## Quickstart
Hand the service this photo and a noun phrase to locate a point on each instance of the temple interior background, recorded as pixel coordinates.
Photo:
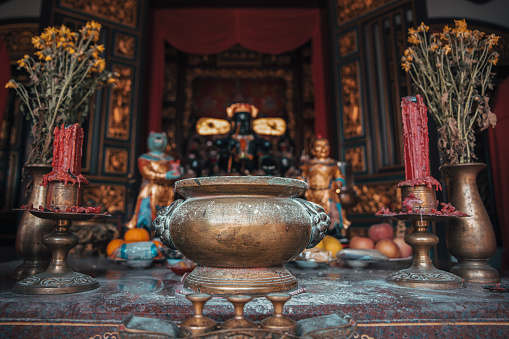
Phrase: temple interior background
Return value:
(357, 107)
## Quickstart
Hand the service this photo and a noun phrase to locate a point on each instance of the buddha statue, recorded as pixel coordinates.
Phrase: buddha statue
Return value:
(242, 150)
(325, 180)
(159, 172)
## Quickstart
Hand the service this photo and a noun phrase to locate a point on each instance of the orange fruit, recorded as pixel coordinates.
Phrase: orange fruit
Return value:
(113, 245)
(136, 234)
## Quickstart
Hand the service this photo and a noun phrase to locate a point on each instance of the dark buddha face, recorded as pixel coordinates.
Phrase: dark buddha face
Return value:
(243, 122)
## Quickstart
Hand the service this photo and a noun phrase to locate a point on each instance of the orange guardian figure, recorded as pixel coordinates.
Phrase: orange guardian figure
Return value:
(324, 180)
(159, 171)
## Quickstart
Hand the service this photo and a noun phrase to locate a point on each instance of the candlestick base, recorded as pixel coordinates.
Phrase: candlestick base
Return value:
(422, 273)
(50, 283)
(59, 278)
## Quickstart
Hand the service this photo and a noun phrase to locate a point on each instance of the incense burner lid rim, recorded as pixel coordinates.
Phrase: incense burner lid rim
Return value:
(234, 185)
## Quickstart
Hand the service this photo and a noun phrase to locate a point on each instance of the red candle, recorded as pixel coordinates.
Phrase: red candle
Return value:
(67, 149)
(416, 142)
(415, 137)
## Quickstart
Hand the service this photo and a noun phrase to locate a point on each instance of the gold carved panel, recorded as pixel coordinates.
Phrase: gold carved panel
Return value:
(372, 197)
(116, 160)
(357, 157)
(18, 39)
(350, 97)
(170, 81)
(226, 73)
(125, 45)
(347, 43)
(120, 11)
(111, 197)
(121, 99)
(239, 56)
(347, 10)
(308, 88)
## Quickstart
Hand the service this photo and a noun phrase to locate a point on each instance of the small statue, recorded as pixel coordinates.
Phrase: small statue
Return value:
(159, 171)
(241, 150)
(324, 179)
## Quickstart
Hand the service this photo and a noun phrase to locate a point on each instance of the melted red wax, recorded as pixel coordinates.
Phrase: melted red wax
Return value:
(415, 137)
(67, 148)
(74, 209)
(428, 181)
(446, 209)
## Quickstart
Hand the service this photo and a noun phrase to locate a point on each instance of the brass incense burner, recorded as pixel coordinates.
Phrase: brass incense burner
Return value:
(241, 231)
(422, 273)
(59, 278)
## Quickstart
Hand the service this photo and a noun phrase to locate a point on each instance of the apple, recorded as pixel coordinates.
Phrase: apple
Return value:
(378, 232)
(361, 243)
(388, 247)
(405, 250)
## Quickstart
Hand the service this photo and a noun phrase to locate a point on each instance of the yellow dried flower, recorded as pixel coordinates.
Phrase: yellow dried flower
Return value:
(100, 48)
(414, 39)
(11, 84)
(405, 66)
(494, 60)
(112, 81)
(422, 28)
(95, 26)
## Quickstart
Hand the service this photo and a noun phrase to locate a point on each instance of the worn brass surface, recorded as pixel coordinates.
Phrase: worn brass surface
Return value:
(278, 321)
(241, 231)
(59, 277)
(422, 273)
(36, 256)
(198, 323)
(472, 239)
(63, 195)
(239, 321)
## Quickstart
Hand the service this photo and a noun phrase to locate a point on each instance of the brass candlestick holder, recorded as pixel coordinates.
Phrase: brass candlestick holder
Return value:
(278, 321)
(422, 273)
(198, 323)
(59, 278)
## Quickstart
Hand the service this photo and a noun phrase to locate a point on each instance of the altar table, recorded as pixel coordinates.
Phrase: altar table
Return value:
(380, 309)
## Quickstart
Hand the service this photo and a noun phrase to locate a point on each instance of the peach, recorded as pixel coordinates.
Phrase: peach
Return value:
(380, 231)
(405, 250)
(388, 247)
(361, 243)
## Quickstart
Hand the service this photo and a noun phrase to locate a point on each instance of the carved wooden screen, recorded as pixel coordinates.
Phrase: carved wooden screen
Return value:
(369, 38)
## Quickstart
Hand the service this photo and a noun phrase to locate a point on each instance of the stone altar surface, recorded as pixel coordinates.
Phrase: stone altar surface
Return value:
(380, 309)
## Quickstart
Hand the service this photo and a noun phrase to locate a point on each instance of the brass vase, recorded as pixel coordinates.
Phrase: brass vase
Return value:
(36, 256)
(472, 239)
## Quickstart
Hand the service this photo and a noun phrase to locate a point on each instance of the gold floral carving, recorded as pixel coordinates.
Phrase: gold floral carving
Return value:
(170, 81)
(347, 10)
(116, 160)
(225, 73)
(372, 197)
(124, 45)
(239, 56)
(356, 156)
(347, 43)
(120, 113)
(121, 11)
(169, 112)
(18, 38)
(308, 113)
(111, 197)
(308, 89)
(107, 335)
(350, 96)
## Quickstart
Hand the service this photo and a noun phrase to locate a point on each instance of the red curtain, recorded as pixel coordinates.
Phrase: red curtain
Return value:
(498, 139)
(209, 31)
(5, 75)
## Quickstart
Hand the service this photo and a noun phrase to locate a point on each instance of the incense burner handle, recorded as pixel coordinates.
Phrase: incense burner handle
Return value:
(320, 221)
(161, 223)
